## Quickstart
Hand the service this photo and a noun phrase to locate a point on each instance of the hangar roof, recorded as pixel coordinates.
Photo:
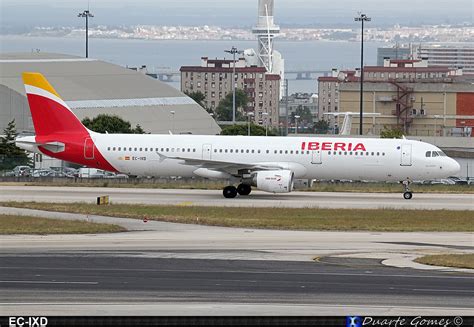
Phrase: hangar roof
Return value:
(92, 87)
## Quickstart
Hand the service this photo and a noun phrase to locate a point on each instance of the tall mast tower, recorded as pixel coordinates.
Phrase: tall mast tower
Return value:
(265, 31)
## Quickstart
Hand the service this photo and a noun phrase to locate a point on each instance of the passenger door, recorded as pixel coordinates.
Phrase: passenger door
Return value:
(206, 151)
(406, 155)
(89, 149)
(316, 157)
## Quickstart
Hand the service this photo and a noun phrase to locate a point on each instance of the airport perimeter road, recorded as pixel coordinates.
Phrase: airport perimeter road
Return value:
(70, 283)
(256, 199)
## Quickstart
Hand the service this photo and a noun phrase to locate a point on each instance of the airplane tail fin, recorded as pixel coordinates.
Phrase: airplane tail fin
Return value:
(51, 115)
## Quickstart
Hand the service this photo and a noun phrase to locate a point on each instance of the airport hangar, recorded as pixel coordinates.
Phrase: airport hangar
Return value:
(92, 87)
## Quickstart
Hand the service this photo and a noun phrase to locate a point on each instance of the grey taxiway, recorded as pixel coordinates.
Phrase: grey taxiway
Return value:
(162, 268)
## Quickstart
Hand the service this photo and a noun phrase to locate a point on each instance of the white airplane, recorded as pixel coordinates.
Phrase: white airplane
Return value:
(270, 164)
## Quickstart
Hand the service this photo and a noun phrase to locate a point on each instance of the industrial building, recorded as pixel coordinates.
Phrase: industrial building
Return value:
(422, 100)
(452, 55)
(92, 87)
(214, 79)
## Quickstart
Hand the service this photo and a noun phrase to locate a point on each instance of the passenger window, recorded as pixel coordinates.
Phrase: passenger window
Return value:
(108, 149)
(258, 151)
(275, 152)
(194, 150)
(281, 151)
(372, 154)
(286, 152)
(247, 151)
(307, 152)
(220, 150)
(350, 153)
(225, 150)
(428, 154)
(253, 151)
(167, 149)
(268, 151)
(297, 152)
(345, 153)
(378, 154)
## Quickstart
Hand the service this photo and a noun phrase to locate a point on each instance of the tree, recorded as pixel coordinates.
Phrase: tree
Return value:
(321, 127)
(242, 129)
(10, 154)
(199, 97)
(224, 109)
(391, 133)
(305, 120)
(111, 124)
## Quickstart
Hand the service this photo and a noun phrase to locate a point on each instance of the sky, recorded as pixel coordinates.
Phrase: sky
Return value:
(24, 14)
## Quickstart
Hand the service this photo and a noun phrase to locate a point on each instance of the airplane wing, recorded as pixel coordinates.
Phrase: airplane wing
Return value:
(225, 166)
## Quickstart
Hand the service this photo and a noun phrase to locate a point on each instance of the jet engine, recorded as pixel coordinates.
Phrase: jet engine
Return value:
(273, 181)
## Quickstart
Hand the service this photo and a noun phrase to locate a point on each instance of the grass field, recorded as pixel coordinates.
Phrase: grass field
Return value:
(280, 218)
(449, 260)
(13, 224)
(212, 185)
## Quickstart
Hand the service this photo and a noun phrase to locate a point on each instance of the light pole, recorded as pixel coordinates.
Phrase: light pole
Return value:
(362, 18)
(435, 125)
(266, 122)
(249, 114)
(172, 112)
(86, 14)
(296, 123)
(233, 51)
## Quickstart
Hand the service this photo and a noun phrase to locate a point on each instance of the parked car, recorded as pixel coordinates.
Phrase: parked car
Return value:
(442, 182)
(458, 181)
(21, 171)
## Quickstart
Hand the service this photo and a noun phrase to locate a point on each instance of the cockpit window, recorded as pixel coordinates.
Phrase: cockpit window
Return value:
(442, 154)
(428, 154)
(435, 154)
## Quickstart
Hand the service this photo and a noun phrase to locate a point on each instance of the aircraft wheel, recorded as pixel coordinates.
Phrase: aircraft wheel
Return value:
(244, 189)
(230, 192)
(407, 195)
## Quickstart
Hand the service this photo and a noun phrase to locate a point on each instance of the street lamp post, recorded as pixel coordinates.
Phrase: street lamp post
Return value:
(233, 51)
(266, 122)
(296, 123)
(435, 125)
(249, 114)
(86, 14)
(362, 18)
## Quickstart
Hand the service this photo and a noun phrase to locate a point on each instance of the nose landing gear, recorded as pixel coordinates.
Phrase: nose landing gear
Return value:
(407, 194)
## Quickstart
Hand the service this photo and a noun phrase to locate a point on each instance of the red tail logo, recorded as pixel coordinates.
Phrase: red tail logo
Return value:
(54, 122)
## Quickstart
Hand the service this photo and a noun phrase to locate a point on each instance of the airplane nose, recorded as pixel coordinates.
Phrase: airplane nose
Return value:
(454, 167)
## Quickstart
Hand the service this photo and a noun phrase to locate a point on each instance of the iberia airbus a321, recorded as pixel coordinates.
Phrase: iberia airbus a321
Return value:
(270, 164)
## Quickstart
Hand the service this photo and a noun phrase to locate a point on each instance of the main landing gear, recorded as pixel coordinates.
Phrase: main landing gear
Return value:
(231, 192)
(407, 194)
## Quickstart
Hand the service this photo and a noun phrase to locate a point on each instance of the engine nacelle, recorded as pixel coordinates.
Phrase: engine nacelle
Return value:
(274, 181)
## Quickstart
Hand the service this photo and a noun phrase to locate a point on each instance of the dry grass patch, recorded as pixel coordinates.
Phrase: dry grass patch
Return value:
(280, 218)
(449, 260)
(13, 224)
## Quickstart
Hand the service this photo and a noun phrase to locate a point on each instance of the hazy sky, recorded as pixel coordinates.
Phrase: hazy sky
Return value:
(27, 13)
